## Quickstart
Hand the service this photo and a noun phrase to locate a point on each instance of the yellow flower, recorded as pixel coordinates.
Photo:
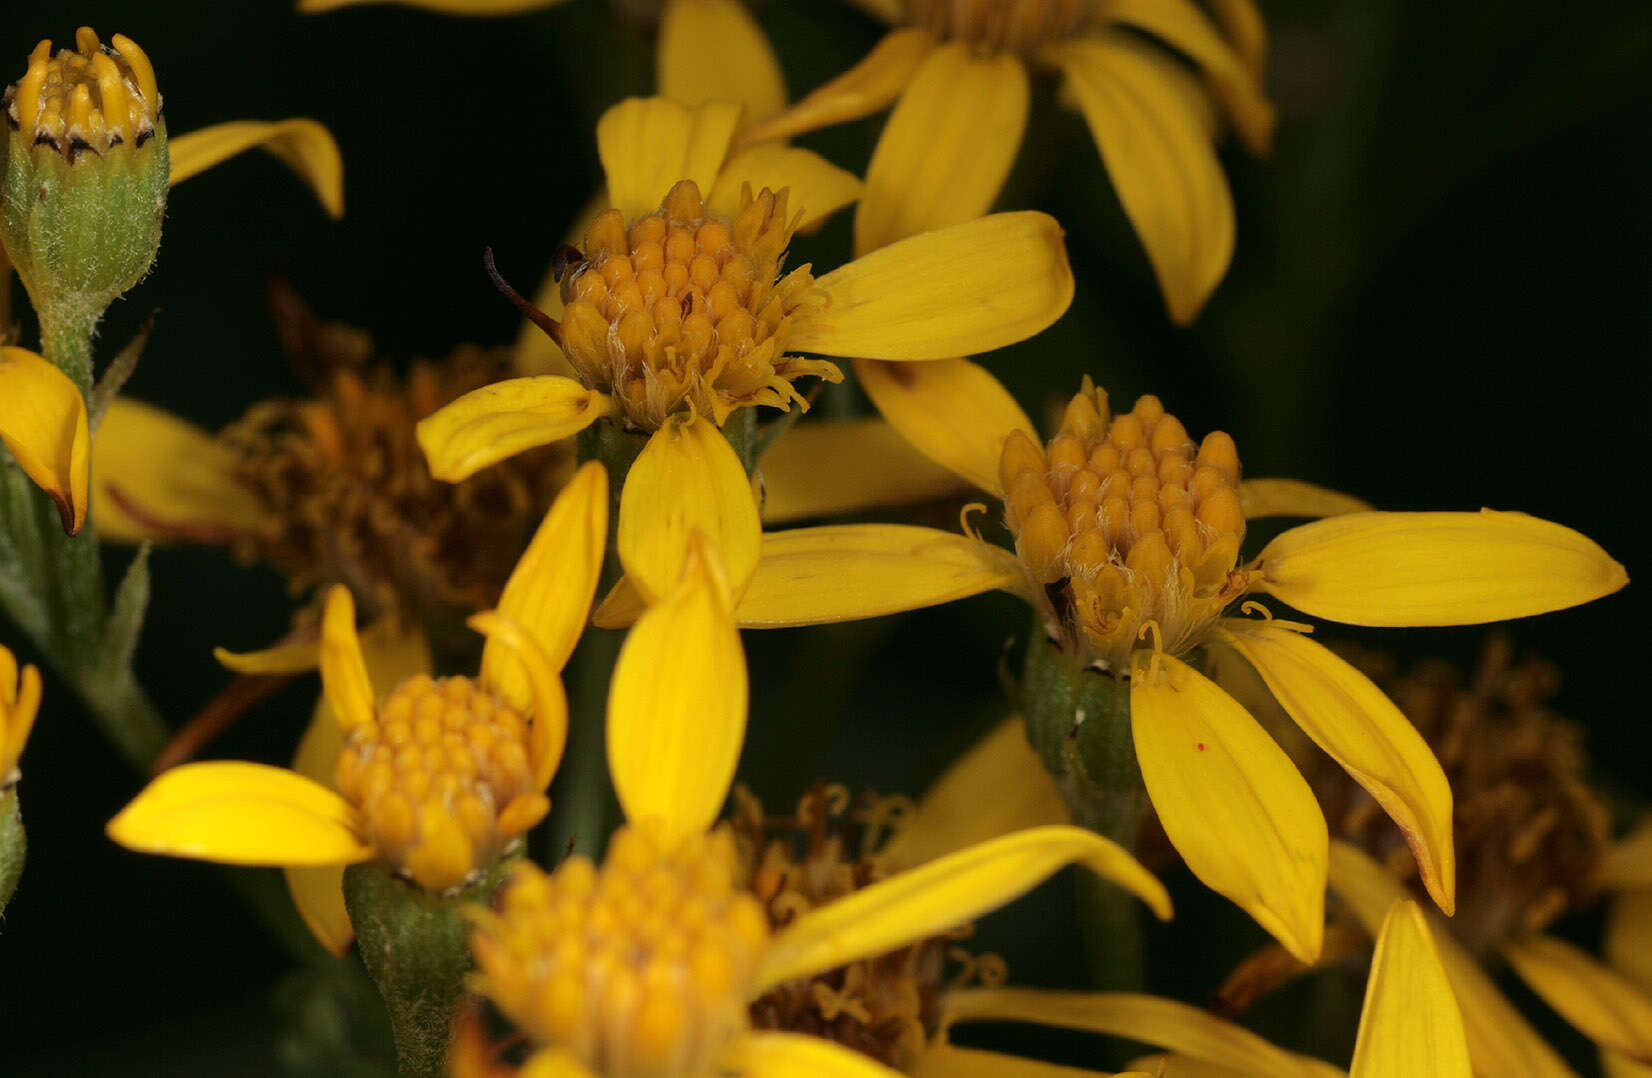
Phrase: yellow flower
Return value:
(438, 777)
(43, 424)
(19, 701)
(646, 963)
(1230, 800)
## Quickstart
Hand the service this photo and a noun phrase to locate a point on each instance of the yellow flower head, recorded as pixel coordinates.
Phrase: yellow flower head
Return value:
(1125, 523)
(19, 702)
(994, 25)
(686, 306)
(91, 98)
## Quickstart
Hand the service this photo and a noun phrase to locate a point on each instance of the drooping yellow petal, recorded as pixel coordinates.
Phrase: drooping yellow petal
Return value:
(1627, 863)
(344, 678)
(489, 424)
(299, 657)
(677, 706)
(950, 1061)
(318, 895)
(1434, 568)
(687, 479)
(1242, 23)
(547, 702)
(647, 144)
(43, 423)
(947, 148)
(304, 146)
(1604, 1005)
(1363, 731)
(1231, 801)
(826, 467)
(1410, 1023)
(1500, 1041)
(240, 814)
(968, 288)
(1293, 498)
(1628, 940)
(866, 88)
(549, 592)
(774, 1054)
(818, 187)
(951, 409)
(999, 786)
(945, 893)
(1136, 101)
(445, 7)
(177, 476)
(713, 50)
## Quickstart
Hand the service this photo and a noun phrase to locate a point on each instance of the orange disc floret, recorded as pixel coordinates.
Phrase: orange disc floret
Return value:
(1008, 25)
(1123, 521)
(90, 98)
(442, 778)
(688, 309)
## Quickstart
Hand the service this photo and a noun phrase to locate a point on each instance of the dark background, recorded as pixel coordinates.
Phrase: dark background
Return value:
(1439, 300)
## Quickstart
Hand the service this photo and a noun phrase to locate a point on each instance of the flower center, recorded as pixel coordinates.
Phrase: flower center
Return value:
(686, 308)
(92, 99)
(640, 968)
(442, 779)
(999, 25)
(1126, 523)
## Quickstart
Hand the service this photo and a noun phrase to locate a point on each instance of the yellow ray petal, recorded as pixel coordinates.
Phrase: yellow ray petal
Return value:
(240, 814)
(304, 146)
(1186, 1029)
(866, 88)
(1604, 1005)
(818, 187)
(536, 353)
(949, 144)
(1242, 23)
(1500, 1041)
(1434, 568)
(945, 893)
(826, 467)
(1293, 498)
(445, 7)
(19, 706)
(677, 706)
(1231, 801)
(845, 572)
(344, 678)
(647, 144)
(1410, 1023)
(950, 1061)
(1362, 730)
(1627, 863)
(622, 606)
(318, 894)
(713, 50)
(687, 479)
(1628, 942)
(1171, 1065)
(997, 787)
(501, 420)
(550, 590)
(299, 657)
(955, 412)
(773, 1054)
(1136, 101)
(43, 423)
(546, 702)
(968, 288)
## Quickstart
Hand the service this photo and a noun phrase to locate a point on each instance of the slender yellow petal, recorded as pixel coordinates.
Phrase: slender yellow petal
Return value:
(945, 893)
(622, 606)
(445, 7)
(1231, 801)
(43, 423)
(868, 87)
(536, 353)
(950, 1061)
(1500, 1041)
(818, 187)
(999, 786)
(947, 148)
(1617, 1065)
(713, 50)
(647, 144)
(344, 677)
(1434, 568)
(489, 424)
(774, 1054)
(968, 288)
(1627, 864)
(19, 706)
(951, 409)
(1628, 942)
(1293, 498)
(827, 467)
(677, 706)
(299, 657)
(1362, 730)
(1242, 23)
(1171, 1065)
(1135, 99)
(180, 479)
(1410, 1024)
(1604, 1005)
(304, 146)
(318, 895)
(550, 590)
(240, 814)
(547, 702)
(687, 479)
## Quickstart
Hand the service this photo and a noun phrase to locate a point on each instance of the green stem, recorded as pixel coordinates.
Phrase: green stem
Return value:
(13, 844)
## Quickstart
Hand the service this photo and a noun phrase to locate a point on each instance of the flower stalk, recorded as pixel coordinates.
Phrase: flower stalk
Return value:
(13, 845)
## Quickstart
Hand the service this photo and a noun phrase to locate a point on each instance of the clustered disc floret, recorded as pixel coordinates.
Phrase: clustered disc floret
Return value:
(93, 99)
(1123, 523)
(687, 308)
(1008, 25)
